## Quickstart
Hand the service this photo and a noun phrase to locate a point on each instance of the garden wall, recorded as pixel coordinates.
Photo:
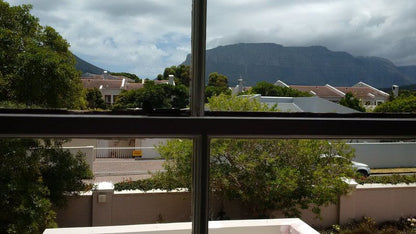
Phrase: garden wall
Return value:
(106, 207)
(385, 154)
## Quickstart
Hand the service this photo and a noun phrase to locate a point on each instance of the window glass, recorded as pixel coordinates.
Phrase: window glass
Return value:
(84, 182)
(307, 178)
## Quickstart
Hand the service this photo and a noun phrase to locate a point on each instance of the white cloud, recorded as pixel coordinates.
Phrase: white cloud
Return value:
(146, 36)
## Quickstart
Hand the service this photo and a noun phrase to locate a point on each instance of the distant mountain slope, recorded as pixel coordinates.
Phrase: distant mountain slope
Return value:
(410, 71)
(86, 67)
(315, 65)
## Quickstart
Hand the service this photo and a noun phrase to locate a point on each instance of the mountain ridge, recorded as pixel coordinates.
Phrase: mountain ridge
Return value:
(86, 67)
(312, 65)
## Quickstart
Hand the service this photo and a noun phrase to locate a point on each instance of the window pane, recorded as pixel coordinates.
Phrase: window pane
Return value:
(93, 182)
(319, 57)
(90, 53)
(278, 178)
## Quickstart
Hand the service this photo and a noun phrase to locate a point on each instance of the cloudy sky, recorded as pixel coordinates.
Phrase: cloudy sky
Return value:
(145, 36)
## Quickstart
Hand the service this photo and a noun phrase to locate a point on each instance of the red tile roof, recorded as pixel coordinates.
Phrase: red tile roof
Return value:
(161, 81)
(109, 77)
(131, 86)
(361, 92)
(109, 84)
(320, 91)
(105, 83)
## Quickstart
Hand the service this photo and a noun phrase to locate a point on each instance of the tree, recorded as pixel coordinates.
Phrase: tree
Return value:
(128, 75)
(181, 73)
(224, 102)
(268, 89)
(35, 175)
(217, 84)
(399, 104)
(352, 102)
(265, 174)
(36, 66)
(94, 99)
(154, 96)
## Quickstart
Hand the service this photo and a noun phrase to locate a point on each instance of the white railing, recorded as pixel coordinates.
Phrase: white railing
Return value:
(118, 152)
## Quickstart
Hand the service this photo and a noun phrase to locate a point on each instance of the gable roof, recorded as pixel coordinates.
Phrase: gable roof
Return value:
(131, 86)
(106, 77)
(102, 83)
(326, 91)
(305, 104)
(362, 92)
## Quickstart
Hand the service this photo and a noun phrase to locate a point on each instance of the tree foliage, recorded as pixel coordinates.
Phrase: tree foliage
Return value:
(94, 99)
(267, 89)
(217, 84)
(128, 75)
(36, 66)
(352, 102)
(154, 96)
(399, 104)
(266, 174)
(35, 175)
(181, 73)
(224, 102)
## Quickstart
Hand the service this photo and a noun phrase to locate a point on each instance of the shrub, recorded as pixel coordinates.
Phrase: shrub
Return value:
(393, 179)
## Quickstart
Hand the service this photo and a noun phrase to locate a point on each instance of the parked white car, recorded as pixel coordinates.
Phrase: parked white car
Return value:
(361, 168)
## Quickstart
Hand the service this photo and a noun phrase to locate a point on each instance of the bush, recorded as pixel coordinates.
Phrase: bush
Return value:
(159, 181)
(393, 179)
(368, 225)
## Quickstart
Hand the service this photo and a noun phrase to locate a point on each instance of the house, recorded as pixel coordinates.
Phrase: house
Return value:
(239, 88)
(367, 94)
(110, 86)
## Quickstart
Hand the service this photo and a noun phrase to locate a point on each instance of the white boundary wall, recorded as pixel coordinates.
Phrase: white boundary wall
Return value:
(385, 154)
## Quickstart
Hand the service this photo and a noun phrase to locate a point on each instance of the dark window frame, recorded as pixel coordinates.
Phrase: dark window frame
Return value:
(201, 126)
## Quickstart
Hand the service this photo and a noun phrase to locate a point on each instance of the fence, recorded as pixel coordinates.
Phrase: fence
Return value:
(119, 152)
(386, 154)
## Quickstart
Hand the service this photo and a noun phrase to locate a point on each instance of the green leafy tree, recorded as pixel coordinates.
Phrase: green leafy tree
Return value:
(268, 89)
(36, 66)
(352, 102)
(289, 175)
(217, 84)
(94, 99)
(128, 75)
(224, 102)
(181, 73)
(35, 175)
(399, 104)
(154, 96)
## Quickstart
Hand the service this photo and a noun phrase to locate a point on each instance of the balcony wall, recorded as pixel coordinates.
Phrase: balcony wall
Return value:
(264, 226)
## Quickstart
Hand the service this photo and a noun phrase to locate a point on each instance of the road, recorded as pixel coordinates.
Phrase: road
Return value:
(117, 170)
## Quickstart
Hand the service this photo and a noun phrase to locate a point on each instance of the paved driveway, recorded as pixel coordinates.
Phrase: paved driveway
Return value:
(117, 170)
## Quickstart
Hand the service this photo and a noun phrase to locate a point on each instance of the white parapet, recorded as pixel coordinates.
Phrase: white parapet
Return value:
(264, 226)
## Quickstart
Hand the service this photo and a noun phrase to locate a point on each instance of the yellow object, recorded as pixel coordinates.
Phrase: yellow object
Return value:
(137, 153)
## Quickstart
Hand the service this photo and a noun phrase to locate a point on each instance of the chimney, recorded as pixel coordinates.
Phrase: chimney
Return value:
(395, 90)
(240, 86)
(171, 80)
(105, 74)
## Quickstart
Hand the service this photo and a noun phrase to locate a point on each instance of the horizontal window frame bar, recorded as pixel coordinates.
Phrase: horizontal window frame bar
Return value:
(92, 125)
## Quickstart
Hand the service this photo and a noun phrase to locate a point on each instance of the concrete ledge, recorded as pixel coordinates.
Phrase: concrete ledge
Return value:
(374, 186)
(264, 226)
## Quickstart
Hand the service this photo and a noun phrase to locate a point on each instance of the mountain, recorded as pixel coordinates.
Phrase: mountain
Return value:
(410, 71)
(86, 67)
(314, 65)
